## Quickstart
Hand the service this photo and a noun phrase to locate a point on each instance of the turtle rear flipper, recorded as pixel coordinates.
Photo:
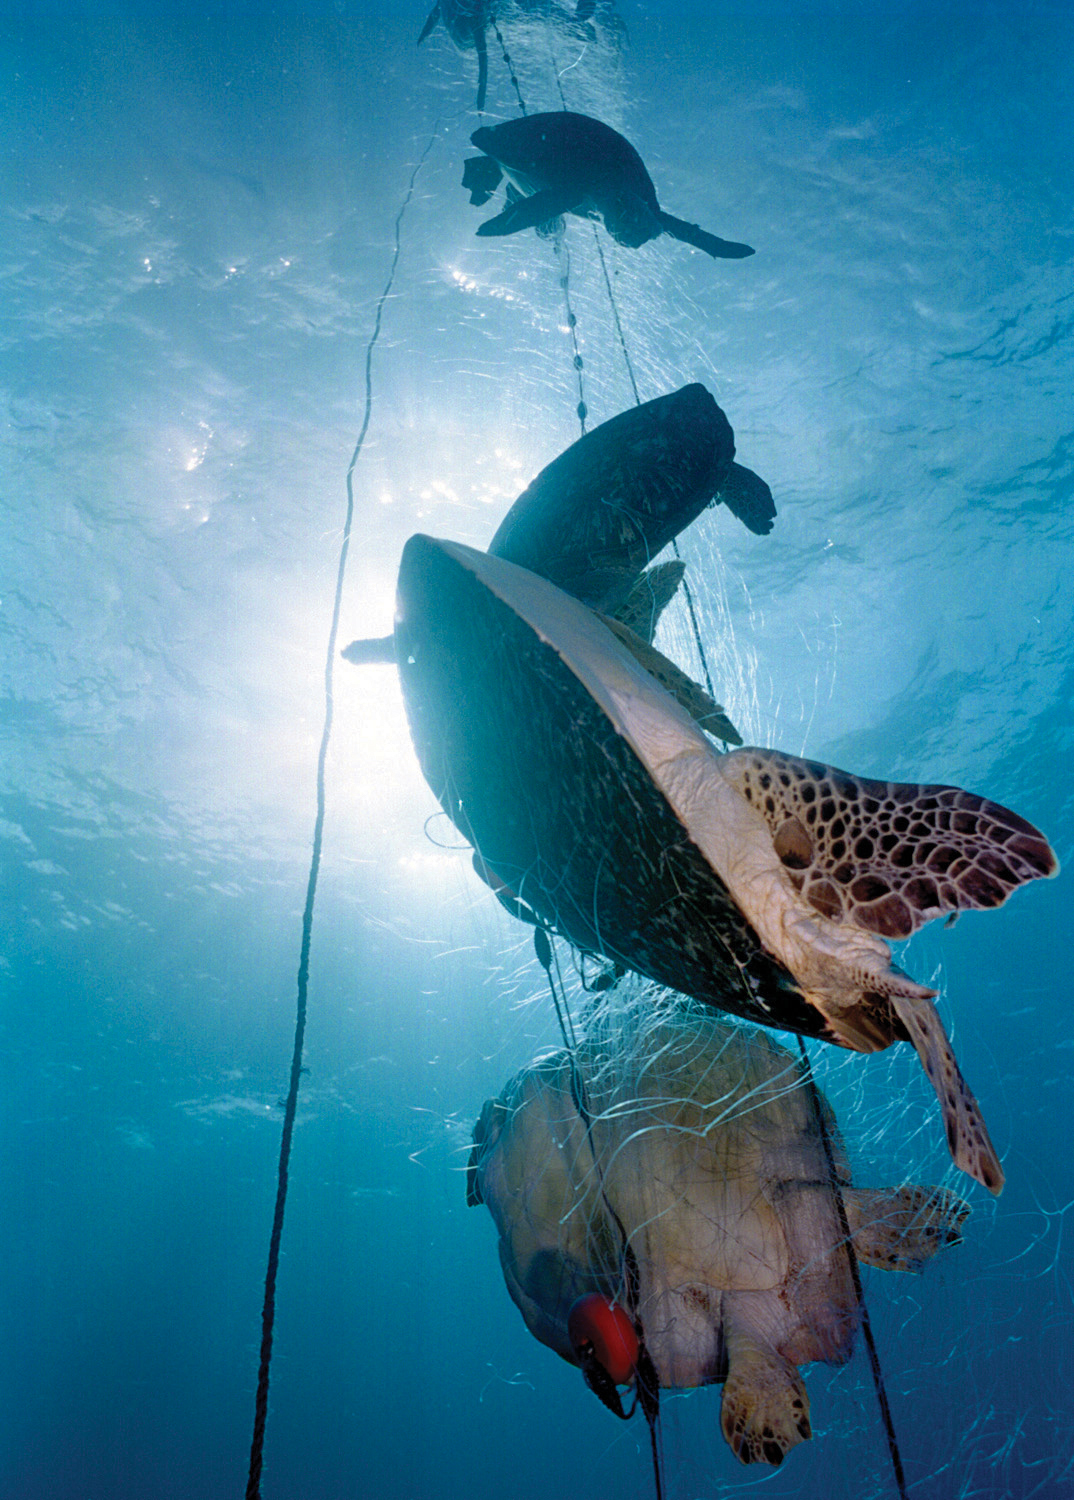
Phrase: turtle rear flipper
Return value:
(629, 217)
(748, 499)
(693, 234)
(899, 1229)
(481, 176)
(967, 1136)
(885, 856)
(528, 212)
(649, 596)
(704, 711)
(765, 1409)
(430, 23)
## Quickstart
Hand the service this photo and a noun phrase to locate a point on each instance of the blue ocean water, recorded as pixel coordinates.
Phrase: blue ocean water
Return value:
(199, 209)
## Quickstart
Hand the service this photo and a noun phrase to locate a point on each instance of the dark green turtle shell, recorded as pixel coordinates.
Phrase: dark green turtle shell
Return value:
(598, 514)
(569, 151)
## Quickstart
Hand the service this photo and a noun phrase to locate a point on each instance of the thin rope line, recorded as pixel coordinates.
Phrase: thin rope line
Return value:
(510, 65)
(558, 248)
(581, 410)
(646, 1380)
(268, 1310)
(542, 944)
(855, 1276)
(615, 315)
(688, 593)
(656, 1435)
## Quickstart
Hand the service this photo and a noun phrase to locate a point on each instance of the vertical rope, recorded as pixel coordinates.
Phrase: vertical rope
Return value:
(646, 1380)
(855, 1276)
(510, 64)
(268, 1308)
(615, 314)
(688, 594)
(559, 249)
(581, 410)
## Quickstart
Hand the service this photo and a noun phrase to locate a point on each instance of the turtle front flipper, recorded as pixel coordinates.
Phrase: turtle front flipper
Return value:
(551, 228)
(381, 649)
(527, 213)
(852, 862)
(899, 1229)
(967, 1136)
(885, 856)
(693, 234)
(748, 499)
(481, 176)
(765, 1409)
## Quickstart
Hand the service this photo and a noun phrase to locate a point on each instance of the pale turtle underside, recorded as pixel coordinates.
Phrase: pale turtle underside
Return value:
(696, 1144)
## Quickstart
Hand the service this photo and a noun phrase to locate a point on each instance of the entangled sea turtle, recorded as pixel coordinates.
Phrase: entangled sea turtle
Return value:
(674, 1168)
(754, 881)
(466, 22)
(561, 162)
(599, 513)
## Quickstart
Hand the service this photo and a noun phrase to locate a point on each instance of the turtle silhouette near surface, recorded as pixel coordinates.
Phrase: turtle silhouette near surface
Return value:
(677, 1166)
(561, 162)
(466, 23)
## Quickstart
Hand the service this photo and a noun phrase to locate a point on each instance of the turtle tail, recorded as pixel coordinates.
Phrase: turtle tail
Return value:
(364, 653)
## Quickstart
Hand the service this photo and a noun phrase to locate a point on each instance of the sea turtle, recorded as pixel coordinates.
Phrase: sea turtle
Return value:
(561, 162)
(675, 1171)
(466, 22)
(755, 881)
(599, 513)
